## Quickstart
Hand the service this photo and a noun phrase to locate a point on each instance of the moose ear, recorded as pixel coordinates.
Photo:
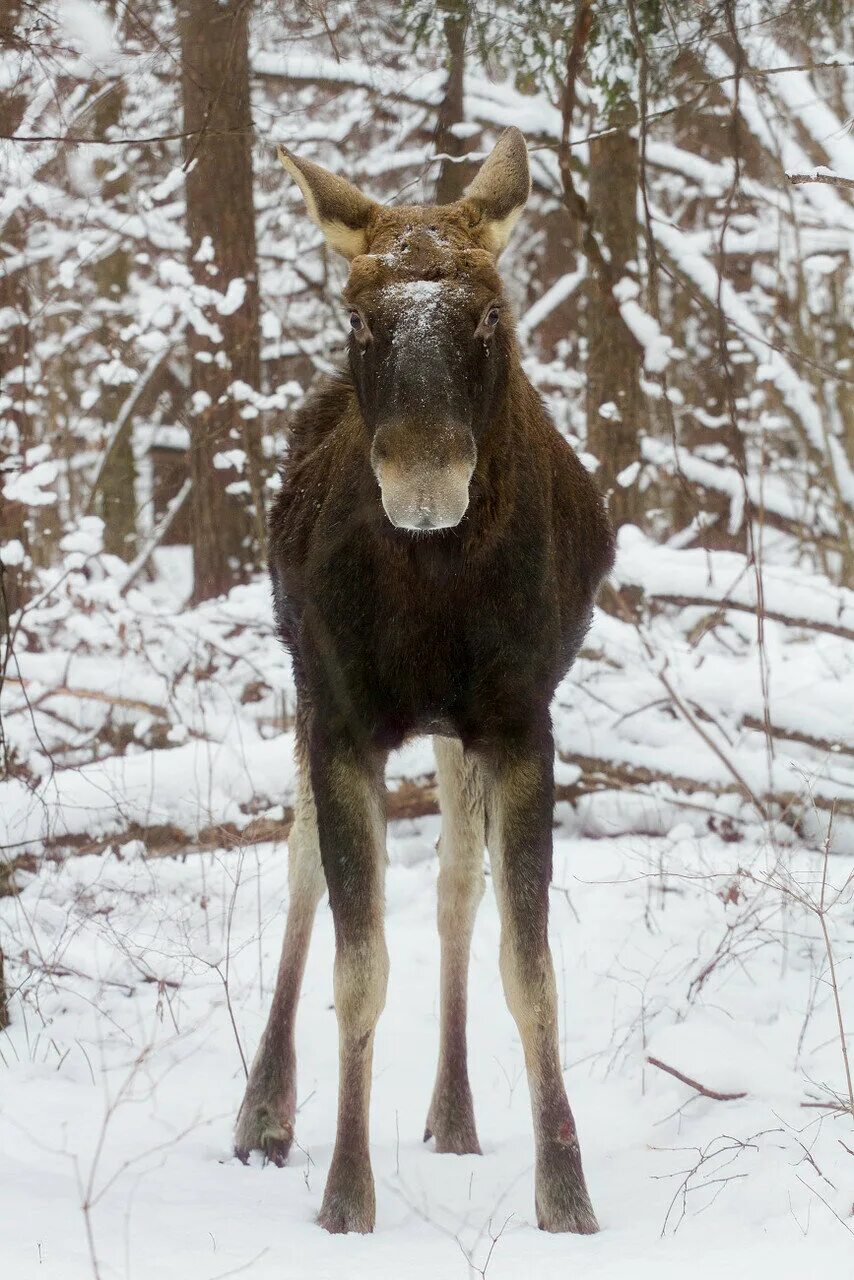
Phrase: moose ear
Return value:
(339, 209)
(500, 189)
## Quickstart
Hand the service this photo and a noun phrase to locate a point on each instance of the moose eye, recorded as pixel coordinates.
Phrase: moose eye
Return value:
(356, 321)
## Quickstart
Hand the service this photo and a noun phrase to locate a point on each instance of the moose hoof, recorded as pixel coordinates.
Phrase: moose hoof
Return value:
(450, 1121)
(349, 1201)
(576, 1217)
(258, 1129)
(562, 1200)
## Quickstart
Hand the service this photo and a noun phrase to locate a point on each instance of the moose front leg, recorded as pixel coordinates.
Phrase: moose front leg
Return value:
(461, 881)
(348, 787)
(266, 1119)
(519, 838)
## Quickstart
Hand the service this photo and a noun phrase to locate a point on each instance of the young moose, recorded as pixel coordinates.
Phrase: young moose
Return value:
(435, 552)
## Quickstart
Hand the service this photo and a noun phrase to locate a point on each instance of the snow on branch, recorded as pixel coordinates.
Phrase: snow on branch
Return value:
(558, 293)
(821, 175)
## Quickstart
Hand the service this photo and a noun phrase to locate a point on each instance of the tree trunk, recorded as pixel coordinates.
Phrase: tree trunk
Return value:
(227, 501)
(615, 405)
(15, 431)
(117, 488)
(453, 176)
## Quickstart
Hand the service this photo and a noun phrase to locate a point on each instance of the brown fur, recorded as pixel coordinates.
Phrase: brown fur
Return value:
(464, 630)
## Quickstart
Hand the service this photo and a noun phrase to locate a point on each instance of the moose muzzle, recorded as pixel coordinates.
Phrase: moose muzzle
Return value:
(424, 484)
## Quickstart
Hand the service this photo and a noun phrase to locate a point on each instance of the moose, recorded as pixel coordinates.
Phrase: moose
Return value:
(435, 552)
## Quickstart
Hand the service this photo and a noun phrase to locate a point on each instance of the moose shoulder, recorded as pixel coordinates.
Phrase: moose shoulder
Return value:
(435, 552)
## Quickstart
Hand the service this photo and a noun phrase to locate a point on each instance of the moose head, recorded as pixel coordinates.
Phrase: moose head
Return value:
(430, 336)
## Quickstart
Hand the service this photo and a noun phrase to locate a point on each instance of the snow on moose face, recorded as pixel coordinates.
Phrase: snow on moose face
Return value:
(426, 357)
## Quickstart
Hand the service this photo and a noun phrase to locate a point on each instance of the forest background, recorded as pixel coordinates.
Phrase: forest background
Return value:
(683, 286)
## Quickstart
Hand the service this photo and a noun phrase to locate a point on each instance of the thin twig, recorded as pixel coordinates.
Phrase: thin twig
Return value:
(758, 73)
(834, 985)
(714, 1094)
(75, 140)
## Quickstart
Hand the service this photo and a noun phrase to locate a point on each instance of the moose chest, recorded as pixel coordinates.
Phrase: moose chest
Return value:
(421, 638)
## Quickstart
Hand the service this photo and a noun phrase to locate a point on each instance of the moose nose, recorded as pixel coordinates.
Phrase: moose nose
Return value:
(424, 475)
(424, 498)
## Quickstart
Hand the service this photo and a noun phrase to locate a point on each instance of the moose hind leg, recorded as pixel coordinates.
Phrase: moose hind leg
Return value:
(450, 1119)
(519, 836)
(266, 1119)
(351, 820)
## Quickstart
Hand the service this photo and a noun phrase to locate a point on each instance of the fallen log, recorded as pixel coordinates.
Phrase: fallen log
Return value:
(92, 695)
(416, 799)
(774, 615)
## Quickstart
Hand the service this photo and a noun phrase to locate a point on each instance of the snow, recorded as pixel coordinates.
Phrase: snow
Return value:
(563, 288)
(727, 576)
(122, 1075)
(656, 345)
(796, 393)
(417, 306)
(230, 458)
(816, 115)
(427, 86)
(12, 552)
(30, 487)
(233, 298)
(89, 26)
(782, 144)
(87, 538)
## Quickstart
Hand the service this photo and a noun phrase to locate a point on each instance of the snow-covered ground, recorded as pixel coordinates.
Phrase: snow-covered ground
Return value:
(689, 866)
(122, 1071)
